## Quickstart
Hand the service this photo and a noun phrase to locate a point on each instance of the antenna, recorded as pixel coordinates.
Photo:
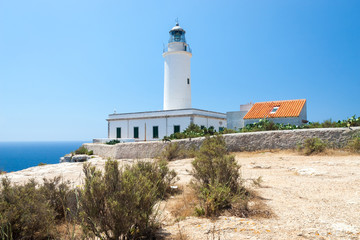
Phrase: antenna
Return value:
(177, 21)
(163, 47)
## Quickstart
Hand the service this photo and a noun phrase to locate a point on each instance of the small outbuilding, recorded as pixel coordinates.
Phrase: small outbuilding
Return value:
(283, 112)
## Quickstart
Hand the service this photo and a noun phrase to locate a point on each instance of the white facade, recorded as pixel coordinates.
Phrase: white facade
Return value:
(177, 78)
(157, 124)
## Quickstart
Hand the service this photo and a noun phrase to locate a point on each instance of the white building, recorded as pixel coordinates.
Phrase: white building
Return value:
(177, 113)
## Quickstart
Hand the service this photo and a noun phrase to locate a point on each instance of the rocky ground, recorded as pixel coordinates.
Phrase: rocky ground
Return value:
(312, 197)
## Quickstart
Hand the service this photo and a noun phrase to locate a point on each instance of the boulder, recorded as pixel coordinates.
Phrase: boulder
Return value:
(80, 158)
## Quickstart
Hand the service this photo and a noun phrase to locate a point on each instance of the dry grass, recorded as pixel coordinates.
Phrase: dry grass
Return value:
(258, 209)
(182, 205)
(69, 231)
(180, 235)
(247, 154)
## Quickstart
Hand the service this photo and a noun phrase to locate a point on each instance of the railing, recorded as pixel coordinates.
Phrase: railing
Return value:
(187, 49)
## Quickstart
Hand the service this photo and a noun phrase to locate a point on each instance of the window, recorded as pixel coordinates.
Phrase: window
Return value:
(176, 128)
(118, 132)
(155, 132)
(221, 129)
(188, 81)
(136, 132)
(274, 110)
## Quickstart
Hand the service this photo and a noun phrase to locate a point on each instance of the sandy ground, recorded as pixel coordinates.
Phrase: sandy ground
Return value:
(312, 197)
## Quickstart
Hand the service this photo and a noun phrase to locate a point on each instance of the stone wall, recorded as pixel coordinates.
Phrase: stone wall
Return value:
(286, 139)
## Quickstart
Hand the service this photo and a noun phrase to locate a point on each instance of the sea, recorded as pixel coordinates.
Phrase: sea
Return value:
(15, 156)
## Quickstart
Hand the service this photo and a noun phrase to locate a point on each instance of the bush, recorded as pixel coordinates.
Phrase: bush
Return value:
(119, 204)
(228, 130)
(174, 151)
(192, 131)
(24, 212)
(354, 144)
(60, 198)
(113, 142)
(171, 152)
(312, 145)
(265, 125)
(329, 124)
(84, 150)
(216, 178)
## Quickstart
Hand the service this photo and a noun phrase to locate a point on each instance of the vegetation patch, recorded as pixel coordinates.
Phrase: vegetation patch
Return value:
(174, 151)
(83, 150)
(112, 142)
(120, 204)
(312, 146)
(217, 180)
(354, 145)
(25, 212)
(194, 130)
(116, 204)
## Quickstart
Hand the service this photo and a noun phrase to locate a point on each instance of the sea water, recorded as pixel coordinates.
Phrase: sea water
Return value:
(15, 156)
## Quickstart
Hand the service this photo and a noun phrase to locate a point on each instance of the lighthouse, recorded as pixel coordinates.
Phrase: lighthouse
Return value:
(177, 77)
(178, 113)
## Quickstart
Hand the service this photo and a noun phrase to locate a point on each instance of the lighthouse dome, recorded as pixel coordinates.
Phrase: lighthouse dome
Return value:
(177, 28)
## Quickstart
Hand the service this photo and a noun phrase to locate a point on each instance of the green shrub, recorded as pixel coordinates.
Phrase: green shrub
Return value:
(113, 142)
(171, 152)
(354, 144)
(60, 198)
(329, 124)
(42, 164)
(24, 212)
(266, 124)
(228, 130)
(312, 145)
(120, 204)
(192, 131)
(84, 150)
(216, 178)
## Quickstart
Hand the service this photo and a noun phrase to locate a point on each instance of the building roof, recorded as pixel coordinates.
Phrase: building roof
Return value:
(287, 108)
(167, 113)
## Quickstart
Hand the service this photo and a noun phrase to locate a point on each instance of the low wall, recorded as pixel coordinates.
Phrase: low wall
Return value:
(252, 141)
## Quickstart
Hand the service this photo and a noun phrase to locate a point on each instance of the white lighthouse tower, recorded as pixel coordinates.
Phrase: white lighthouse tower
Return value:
(177, 78)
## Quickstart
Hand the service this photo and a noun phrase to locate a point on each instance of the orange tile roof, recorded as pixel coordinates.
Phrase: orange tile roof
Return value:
(287, 108)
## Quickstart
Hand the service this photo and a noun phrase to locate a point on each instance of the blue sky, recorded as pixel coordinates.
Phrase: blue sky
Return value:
(65, 65)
